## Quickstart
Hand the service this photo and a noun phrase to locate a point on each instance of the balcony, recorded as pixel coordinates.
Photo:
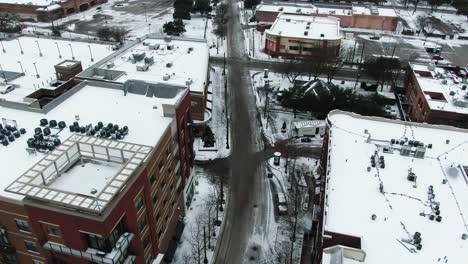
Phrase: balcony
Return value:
(116, 256)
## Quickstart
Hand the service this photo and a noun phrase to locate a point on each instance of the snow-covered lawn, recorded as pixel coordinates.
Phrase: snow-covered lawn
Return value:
(218, 121)
(196, 218)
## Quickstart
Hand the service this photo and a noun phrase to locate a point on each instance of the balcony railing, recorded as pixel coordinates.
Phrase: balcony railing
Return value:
(116, 256)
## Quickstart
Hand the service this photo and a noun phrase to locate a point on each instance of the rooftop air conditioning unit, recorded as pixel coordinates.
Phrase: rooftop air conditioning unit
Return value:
(420, 152)
(143, 67)
(110, 65)
(166, 77)
(280, 9)
(298, 10)
(405, 150)
(189, 81)
(153, 46)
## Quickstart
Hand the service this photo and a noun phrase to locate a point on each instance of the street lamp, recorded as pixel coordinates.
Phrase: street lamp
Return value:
(21, 65)
(89, 47)
(71, 49)
(37, 73)
(21, 48)
(38, 47)
(3, 48)
(144, 8)
(58, 49)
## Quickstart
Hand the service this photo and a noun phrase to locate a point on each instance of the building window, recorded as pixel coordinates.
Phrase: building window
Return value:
(139, 204)
(10, 258)
(54, 231)
(3, 235)
(293, 48)
(22, 226)
(142, 224)
(155, 199)
(158, 216)
(308, 49)
(146, 243)
(31, 246)
(97, 242)
(161, 165)
(152, 179)
(160, 234)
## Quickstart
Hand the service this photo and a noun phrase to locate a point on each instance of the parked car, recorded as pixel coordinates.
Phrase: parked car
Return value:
(282, 204)
(6, 89)
(437, 57)
(374, 37)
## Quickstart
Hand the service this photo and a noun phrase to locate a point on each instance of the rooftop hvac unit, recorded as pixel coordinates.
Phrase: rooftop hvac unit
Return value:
(189, 81)
(405, 150)
(431, 67)
(153, 46)
(412, 176)
(143, 67)
(110, 65)
(306, 33)
(149, 60)
(166, 77)
(280, 9)
(461, 103)
(444, 81)
(138, 56)
(420, 152)
(298, 10)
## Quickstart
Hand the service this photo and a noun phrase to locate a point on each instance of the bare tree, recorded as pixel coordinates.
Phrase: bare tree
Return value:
(293, 68)
(415, 4)
(317, 64)
(332, 67)
(196, 239)
(119, 33)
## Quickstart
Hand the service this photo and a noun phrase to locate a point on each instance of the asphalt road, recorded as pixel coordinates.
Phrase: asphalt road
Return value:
(247, 193)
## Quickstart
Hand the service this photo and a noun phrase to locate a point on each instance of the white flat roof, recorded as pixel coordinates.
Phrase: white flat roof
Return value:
(307, 9)
(306, 27)
(288, 8)
(25, 85)
(445, 83)
(180, 59)
(32, 2)
(353, 191)
(92, 104)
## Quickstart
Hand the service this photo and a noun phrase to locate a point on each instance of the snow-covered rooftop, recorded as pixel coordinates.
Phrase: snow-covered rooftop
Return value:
(306, 27)
(295, 8)
(32, 2)
(387, 204)
(174, 61)
(14, 63)
(91, 103)
(444, 89)
(308, 9)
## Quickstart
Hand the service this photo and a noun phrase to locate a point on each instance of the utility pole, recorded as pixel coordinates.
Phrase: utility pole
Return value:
(253, 42)
(226, 112)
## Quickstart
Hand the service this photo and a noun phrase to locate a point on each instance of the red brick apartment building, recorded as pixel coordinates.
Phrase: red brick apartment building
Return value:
(374, 174)
(43, 10)
(437, 94)
(92, 172)
(350, 17)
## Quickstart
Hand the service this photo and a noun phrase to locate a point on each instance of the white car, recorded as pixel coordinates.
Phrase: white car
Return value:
(6, 89)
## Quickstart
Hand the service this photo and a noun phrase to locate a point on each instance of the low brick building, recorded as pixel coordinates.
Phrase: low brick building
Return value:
(303, 36)
(437, 94)
(44, 10)
(350, 17)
